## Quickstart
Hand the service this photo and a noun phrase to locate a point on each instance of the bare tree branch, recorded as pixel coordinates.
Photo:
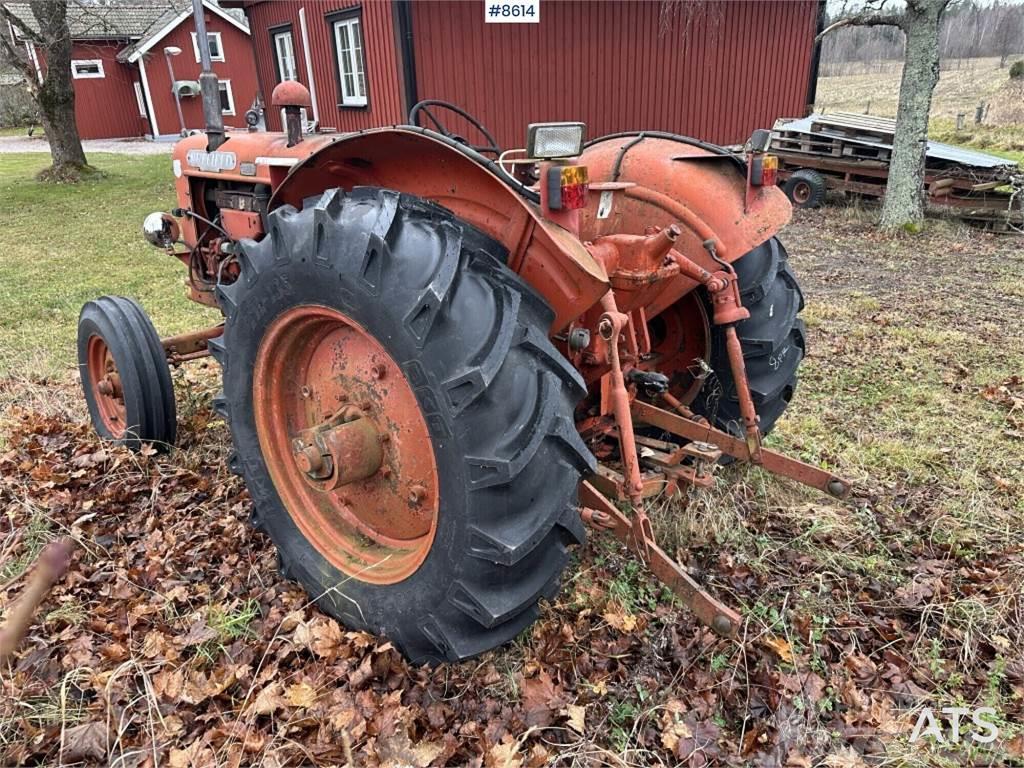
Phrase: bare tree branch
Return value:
(863, 20)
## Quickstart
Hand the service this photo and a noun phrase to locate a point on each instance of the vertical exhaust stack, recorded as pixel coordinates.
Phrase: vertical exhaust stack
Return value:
(208, 83)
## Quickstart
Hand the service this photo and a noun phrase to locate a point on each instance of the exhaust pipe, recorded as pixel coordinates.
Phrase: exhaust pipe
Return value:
(208, 82)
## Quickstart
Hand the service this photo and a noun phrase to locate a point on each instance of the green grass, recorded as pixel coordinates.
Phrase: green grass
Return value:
(63, 245)
(1002, 140)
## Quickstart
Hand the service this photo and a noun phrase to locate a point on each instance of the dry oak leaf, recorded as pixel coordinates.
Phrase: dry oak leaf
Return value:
(542, 698)
(780, 647)
(195, 755)
(301, 695)
(84, 741)
(577, 714)
(672, 733)
(268, 700)
(398, 751)
(504, 755)
(847, 757)
(621, 620)
(326, 639)
(168, 684)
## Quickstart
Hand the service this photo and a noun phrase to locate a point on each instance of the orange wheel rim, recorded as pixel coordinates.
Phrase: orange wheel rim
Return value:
(679, 338)
(105, 383)
(346, 444)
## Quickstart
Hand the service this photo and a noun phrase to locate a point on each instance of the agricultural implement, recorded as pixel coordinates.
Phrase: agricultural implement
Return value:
(440, 367)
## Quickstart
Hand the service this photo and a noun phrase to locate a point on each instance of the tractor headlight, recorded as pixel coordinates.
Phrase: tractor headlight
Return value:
(548, 141)
(161, 230)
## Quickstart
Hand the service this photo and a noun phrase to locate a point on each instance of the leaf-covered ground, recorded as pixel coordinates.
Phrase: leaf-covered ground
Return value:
(173, 641)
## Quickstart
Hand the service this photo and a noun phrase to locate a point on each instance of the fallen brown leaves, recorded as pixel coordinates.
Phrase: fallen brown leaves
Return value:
(172, 640)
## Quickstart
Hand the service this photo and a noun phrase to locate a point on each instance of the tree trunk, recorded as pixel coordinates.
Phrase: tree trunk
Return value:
(904, 192)
(56, 94)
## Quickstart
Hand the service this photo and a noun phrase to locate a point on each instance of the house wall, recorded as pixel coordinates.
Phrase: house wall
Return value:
(239, 67)
(382, 62)
(105, 107)
(718, 74)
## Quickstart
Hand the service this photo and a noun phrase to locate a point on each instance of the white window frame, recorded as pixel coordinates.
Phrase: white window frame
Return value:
(140, 98)
(225, 85)
(357, 98)
(75, 63)
(283, 34)
(220, 46)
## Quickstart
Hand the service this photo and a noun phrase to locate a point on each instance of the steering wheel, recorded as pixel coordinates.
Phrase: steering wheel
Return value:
(423, 107)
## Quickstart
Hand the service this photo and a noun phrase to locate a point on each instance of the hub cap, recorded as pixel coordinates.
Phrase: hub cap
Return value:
(346, 444)
(105, 383)
(801, 192)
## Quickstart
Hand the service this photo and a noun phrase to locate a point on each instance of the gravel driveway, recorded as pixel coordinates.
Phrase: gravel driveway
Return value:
(118, 146)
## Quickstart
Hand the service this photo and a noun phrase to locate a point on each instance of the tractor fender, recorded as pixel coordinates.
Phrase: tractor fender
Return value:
(410, 160)
(639, 181)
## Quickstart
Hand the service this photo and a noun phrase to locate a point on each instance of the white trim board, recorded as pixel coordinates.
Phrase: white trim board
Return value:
(173, 24)
(149, 98)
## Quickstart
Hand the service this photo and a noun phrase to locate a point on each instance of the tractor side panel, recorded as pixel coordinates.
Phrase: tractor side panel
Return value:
(669, 182)
(551, 260)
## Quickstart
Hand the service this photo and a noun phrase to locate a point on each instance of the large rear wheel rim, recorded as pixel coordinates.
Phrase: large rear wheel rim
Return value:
(105, 383)
(346, 444)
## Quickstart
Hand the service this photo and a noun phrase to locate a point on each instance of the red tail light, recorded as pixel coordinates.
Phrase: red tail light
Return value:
(567, 187)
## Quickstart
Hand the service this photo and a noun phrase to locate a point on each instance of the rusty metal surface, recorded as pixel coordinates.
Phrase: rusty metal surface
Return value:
(191, 345)
(322, 382)
(547, 256)
(678, 184)
(772, 461)
(105, 382)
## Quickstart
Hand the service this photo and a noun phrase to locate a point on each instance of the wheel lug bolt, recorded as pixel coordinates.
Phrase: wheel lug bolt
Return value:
(309, 460)
(380, 371)
(306, 391)
(417, 493)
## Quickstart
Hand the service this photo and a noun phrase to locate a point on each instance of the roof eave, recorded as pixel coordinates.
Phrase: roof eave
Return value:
(144, 46)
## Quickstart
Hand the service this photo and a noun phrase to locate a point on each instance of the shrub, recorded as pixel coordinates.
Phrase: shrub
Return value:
(1017, 69)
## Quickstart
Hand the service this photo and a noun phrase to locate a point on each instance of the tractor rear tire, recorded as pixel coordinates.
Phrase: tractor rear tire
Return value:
(470, 341)
(125, 375)
(772, 339)
(806, 188)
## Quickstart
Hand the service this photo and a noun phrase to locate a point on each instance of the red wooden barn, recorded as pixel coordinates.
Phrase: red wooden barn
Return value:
(119, 65)
(715, 70)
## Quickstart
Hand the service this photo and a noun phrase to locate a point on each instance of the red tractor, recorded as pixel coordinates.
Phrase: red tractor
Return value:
(437, 374)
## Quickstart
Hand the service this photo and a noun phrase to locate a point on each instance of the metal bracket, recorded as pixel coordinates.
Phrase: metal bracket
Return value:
(599, 512)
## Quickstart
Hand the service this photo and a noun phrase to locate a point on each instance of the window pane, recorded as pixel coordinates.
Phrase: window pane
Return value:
(214, 45)
(225, 101)
(285, 56)
(351, 64)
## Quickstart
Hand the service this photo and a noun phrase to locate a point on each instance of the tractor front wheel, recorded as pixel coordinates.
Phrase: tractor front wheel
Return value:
(402, 421)
(125, 376)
